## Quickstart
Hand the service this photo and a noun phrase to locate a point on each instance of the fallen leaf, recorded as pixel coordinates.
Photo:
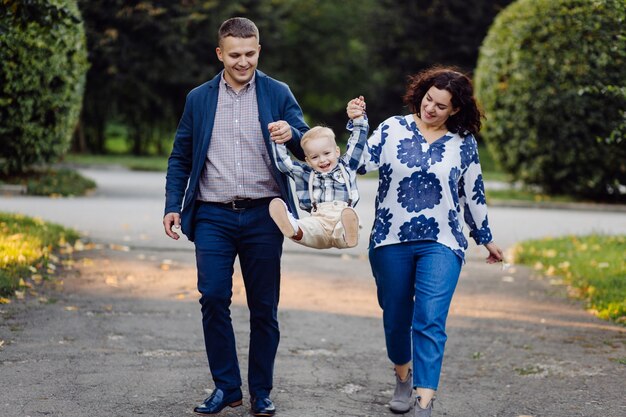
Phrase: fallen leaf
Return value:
(70, 308)
(32, 269)
(19, 295)
(180, 296)
(121, 248)
(37, 278)
(79, 245)
(4, 300)
(111, 280)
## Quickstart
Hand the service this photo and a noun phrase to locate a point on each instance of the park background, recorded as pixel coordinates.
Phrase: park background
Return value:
(89, 85)
(104, 82)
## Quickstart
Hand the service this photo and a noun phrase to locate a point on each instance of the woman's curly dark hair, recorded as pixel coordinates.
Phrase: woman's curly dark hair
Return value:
(467, 119)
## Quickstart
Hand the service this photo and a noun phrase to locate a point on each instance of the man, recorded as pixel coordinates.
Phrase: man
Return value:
(222, 164)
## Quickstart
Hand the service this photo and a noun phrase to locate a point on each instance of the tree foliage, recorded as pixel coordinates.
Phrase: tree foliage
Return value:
(551, 78)
(43, 61)
(146, 55)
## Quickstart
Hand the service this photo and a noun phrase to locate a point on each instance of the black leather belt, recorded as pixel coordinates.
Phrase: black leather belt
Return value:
(242, 204)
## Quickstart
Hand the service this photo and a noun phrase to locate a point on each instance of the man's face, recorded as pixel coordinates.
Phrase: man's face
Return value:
(240, 57)
(322, 153)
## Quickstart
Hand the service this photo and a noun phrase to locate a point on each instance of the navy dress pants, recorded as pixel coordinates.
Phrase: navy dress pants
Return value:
(222, 234)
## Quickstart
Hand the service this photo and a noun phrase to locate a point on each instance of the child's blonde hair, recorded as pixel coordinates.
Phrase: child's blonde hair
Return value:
(317, 132)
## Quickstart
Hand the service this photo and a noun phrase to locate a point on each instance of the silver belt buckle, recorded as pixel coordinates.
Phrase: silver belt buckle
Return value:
(233, 204)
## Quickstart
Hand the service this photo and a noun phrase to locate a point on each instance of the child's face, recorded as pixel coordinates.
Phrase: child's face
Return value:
(321, 153)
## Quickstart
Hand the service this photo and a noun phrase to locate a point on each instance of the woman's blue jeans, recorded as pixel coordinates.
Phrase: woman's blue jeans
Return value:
(416, 281)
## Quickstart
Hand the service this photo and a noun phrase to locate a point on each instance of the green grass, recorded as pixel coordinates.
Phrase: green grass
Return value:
(53, 182)
(136, 163)
(26, 245)
(594, 268)
(491, 171)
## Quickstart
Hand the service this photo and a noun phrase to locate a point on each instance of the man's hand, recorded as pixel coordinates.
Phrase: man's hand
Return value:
(280, 131)
(356, 107)
(171, 220)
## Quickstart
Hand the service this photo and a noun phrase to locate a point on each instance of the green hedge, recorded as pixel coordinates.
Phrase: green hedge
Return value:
(551, 77)
(43, 60)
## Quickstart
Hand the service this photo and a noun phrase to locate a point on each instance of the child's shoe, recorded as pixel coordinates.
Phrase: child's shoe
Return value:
(350, 222)
(285, 221)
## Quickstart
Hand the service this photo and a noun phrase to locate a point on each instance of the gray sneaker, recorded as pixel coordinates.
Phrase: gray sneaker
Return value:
(402, 395)
(423, 412)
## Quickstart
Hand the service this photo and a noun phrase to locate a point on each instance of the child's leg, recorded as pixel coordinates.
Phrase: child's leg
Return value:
(316, 232)
(346, 233)
(285, 221)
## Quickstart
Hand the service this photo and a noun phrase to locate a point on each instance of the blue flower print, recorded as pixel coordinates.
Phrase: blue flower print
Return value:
(435, 151)
(420, 191)
(462, 187)
(410, 127)
(419, 228)
(384, 179)
(482, 235)
(453, 183)
(479, 190)
(382, 224)
(455, 226)
(410, 152)
(467, 215)
(376, 149)
(361, 170)
(469, 153)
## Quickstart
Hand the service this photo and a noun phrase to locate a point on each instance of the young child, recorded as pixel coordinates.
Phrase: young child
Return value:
(325, 185)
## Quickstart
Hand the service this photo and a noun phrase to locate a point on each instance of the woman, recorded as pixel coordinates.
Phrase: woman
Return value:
(429, 173)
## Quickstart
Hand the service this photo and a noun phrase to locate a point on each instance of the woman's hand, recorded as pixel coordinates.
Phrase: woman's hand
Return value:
(495, 253)
(356, 107)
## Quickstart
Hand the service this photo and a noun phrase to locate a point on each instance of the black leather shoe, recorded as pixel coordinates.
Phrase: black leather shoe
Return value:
(263, 406)
(219, 400)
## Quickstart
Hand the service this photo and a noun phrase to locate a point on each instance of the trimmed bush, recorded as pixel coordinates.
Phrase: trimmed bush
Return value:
(551, 76)
(43, 60)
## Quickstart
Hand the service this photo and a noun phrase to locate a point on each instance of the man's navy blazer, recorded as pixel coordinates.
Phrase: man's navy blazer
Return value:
(193, 136)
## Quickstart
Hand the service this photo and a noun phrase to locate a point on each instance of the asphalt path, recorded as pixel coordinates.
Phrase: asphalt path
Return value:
(118, 334)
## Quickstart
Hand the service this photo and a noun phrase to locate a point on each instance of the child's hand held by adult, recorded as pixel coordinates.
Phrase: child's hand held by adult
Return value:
(356, 107)
(280, 131)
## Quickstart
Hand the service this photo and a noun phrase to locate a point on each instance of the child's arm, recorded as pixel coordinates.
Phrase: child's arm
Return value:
(356, 143)
(284, 163)
(358, 137)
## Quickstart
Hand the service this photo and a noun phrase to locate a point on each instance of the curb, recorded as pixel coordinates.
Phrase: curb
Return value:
(618, 208)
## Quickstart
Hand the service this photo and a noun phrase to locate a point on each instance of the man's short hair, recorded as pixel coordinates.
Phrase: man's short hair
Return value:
(237, 27)
(317, 132)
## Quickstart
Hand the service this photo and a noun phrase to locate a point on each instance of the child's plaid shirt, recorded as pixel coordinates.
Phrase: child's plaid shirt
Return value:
(327, 186)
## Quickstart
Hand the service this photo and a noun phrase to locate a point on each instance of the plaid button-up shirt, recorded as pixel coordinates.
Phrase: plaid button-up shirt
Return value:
(237, 164)
(327, 186)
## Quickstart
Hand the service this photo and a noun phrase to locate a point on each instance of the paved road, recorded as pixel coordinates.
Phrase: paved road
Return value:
(120, 334)
(127, 208)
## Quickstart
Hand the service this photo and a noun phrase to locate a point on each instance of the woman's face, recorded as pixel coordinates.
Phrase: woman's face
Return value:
(436, 107)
